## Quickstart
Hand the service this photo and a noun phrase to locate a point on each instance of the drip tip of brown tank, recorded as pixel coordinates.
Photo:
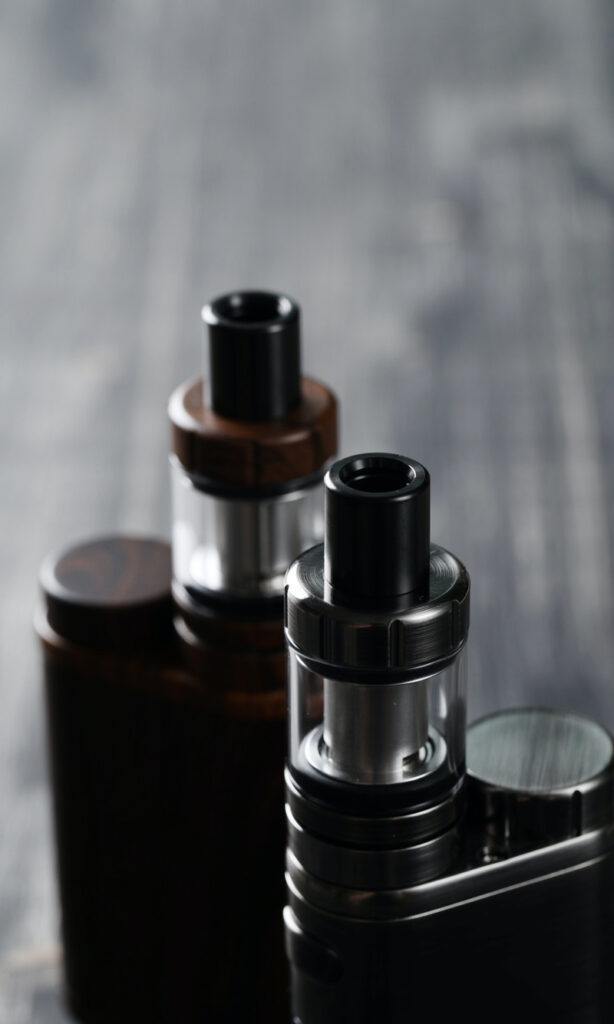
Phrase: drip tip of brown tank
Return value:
(254, 355)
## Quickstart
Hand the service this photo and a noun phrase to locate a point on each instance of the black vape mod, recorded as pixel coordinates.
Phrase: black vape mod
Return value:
(431, 871)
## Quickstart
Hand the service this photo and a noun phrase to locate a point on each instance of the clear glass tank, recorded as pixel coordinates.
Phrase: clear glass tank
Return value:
(240, 545)
(377, 733)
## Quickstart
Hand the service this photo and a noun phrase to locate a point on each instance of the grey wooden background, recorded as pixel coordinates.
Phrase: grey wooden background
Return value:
(434, 182)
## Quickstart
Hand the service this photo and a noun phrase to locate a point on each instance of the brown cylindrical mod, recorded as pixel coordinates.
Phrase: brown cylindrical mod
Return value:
(166, 833)
(118, 710)
(250, 446)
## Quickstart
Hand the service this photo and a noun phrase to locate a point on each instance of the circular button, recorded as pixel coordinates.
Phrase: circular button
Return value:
(537, 775)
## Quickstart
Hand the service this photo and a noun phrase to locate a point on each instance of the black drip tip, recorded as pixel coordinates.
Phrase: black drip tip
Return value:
(377, 527)
(254, 355)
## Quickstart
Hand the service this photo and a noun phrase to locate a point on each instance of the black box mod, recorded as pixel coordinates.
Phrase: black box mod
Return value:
(432, 871)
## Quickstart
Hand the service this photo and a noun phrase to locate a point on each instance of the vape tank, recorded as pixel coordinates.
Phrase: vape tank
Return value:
(250, 445)
(431, 869)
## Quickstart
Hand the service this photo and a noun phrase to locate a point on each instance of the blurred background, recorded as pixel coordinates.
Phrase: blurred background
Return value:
(434, 183)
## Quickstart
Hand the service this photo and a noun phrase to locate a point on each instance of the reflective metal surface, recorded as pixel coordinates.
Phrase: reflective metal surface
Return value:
(374, 733)
(536, 750)
(507, 891)
(401, 635)
(358, 755)
(469, 880)
(369, 830)
(536, 775)
(239, 545)
(530, 939)
(396, 867)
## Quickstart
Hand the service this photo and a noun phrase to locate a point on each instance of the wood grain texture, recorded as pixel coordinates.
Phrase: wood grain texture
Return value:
(170, 833)
(254, 454)
(434, 184)
(167, 792)
(110, 594)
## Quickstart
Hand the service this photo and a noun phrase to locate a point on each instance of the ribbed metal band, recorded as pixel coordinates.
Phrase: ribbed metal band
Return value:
(377, 639)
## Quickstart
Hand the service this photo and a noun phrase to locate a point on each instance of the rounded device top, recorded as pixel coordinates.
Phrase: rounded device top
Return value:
(110, 594)
(254, 354)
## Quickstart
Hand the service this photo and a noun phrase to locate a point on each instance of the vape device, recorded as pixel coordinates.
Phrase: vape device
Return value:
(250, 445)
(166, 718)
(115, 699)
(167, 839)
(431, 871)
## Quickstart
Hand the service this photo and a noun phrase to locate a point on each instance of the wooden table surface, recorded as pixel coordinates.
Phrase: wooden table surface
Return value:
(434, 182)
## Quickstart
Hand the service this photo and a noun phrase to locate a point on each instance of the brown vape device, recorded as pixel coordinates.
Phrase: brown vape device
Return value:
(117, 703)
(166, 714)
(250, 445)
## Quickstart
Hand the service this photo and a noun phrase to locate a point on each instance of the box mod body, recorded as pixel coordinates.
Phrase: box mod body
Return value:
(169, 846)
(530, 938)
